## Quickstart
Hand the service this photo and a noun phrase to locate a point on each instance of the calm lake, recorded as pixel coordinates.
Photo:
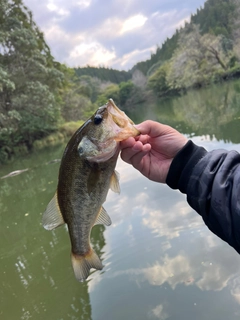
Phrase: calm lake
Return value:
(161, 261)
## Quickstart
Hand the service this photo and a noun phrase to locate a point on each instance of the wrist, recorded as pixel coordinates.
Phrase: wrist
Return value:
(182, 165)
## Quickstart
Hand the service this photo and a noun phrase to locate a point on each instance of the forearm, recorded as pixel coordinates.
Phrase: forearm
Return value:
(211, 181)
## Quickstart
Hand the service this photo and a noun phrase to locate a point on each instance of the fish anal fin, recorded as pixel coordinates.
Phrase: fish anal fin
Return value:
(83, 263)
(114, 182)
(103, 218)
(52, 217)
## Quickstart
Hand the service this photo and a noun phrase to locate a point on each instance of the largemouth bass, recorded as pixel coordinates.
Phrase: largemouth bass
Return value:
(86, 173)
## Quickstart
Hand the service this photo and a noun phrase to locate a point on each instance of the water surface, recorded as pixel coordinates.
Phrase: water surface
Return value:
(161, 261)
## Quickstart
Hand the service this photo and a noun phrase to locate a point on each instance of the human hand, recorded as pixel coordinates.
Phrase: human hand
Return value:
(153, 151)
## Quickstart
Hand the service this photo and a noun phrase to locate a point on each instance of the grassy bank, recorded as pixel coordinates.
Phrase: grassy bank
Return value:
(64, 132)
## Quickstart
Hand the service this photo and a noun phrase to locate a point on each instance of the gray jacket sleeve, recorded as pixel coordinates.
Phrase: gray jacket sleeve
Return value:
(211, 181)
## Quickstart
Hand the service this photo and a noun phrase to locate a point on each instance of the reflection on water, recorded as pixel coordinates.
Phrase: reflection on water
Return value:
(213, 111)
(161, 261)
(35, 271)
(166, 252)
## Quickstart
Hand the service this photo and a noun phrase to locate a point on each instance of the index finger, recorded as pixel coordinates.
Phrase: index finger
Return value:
(153, 128)
(128, 143)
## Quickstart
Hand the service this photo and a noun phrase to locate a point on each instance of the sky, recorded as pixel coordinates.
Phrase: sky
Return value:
(110, 33)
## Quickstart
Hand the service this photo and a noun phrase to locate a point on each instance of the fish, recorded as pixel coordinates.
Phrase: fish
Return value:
(53, 161)
(86, 173)
(14, 173)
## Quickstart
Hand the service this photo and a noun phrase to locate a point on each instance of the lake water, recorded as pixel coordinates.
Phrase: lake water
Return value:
(161, 261)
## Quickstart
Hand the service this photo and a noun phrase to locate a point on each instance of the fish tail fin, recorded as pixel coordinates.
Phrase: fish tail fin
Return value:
(83, 263)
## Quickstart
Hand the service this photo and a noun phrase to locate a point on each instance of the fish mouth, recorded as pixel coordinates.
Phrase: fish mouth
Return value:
(116, 127)
(124, 126)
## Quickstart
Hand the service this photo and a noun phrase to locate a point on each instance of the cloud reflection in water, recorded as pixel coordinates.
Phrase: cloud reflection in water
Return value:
(158, 241)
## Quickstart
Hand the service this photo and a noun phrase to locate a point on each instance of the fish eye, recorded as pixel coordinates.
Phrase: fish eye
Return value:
(80, 150)
(98, 119)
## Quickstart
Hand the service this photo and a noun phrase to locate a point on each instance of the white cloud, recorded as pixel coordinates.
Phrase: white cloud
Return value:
(127, 60)
(181, 269)
(108, 29)
(202, 260)
(92, 53)
(121, 32)
(60, 11)
(133, 22)
(172, 270)
(165, 223)
(83, 3)
(235, 288)
(159, 313)
(182, 22)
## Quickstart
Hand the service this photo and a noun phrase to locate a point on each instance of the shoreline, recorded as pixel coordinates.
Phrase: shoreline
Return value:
(64, 132)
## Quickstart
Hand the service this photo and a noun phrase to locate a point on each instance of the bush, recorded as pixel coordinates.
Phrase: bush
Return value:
(111, 91)
(158, 81)
(125, 91)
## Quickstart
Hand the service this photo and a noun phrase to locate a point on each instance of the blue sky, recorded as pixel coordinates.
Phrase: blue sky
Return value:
(113, 33)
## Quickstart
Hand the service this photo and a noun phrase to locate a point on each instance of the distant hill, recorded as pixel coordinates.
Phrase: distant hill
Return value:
(104, 74)
(216, 17)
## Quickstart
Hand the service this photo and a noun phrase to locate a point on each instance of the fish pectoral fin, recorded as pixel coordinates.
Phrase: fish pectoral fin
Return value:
(103, 218)
(82, 264)
(114, 182)
(52, 217)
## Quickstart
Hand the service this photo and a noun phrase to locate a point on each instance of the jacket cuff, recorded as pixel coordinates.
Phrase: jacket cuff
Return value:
(182, 166)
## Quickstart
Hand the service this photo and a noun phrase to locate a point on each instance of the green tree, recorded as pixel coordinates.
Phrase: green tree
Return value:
(111, 91)
(89, 87)
(125, 91)
(158, 81)
(74, 102)
(29, 88)
(197, 59)
(104, 74)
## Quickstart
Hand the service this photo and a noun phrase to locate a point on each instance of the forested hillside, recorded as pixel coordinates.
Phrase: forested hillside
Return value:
(207, 50)
(104, 74)
(217, 17)
(162, 54)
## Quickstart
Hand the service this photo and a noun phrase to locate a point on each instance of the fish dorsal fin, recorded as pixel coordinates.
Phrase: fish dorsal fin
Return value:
(114, 182)
(52, 217)
(103, 218)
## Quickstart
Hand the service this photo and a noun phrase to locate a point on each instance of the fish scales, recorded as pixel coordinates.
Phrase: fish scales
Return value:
(82, 207)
